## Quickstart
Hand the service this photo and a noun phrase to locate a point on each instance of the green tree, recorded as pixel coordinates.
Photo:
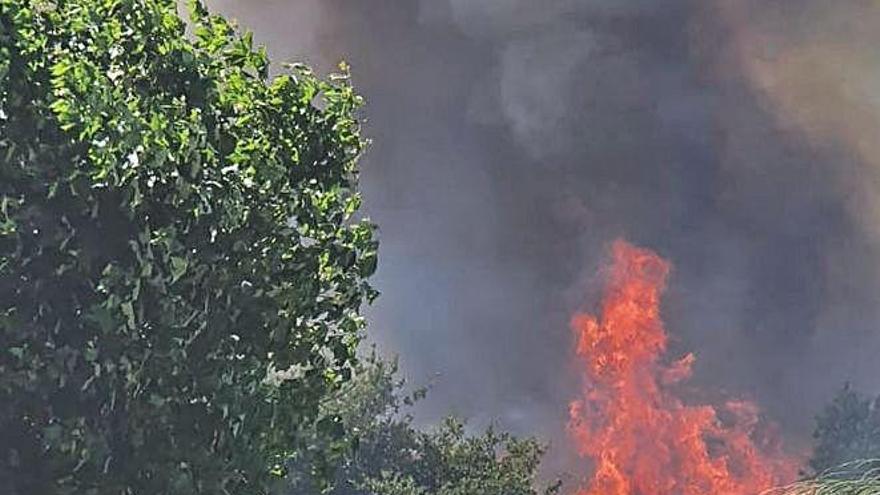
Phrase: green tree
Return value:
(847, 430)
(180, 274)
(390, 456)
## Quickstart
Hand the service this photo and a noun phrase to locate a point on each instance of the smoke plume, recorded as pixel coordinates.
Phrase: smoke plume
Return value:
(513, 139)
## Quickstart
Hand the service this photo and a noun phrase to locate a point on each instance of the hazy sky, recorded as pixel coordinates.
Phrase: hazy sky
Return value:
(514, 139)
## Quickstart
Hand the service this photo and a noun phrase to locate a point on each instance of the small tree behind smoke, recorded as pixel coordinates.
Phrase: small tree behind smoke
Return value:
(847, 430)
(847, 447)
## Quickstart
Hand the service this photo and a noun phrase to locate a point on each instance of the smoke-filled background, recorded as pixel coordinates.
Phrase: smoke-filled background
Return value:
(513, 139)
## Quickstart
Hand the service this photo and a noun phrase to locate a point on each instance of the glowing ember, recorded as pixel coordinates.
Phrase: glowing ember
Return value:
(642, 438)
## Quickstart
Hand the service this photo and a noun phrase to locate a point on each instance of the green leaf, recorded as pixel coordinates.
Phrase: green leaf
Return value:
(178, 268)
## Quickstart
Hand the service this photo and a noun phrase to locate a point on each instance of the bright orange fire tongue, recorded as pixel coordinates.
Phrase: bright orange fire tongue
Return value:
(643, 439)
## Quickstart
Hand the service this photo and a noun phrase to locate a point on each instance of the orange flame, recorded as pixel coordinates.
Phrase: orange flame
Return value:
(642, 438)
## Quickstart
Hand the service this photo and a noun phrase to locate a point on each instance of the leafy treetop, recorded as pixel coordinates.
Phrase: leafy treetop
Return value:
(390, 456)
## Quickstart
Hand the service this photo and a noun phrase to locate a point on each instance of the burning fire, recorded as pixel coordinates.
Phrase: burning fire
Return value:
(642, 438)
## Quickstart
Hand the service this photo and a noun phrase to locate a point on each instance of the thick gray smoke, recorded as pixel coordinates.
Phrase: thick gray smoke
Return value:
(515, 138)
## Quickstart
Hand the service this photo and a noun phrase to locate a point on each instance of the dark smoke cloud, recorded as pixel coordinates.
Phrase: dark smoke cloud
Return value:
(515, 138)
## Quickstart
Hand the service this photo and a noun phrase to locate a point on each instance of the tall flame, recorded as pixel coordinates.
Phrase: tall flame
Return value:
(642, 438)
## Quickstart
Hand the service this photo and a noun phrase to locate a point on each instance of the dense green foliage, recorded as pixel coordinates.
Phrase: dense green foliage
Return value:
(392, 457)
(180, 277)
(847, 430)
